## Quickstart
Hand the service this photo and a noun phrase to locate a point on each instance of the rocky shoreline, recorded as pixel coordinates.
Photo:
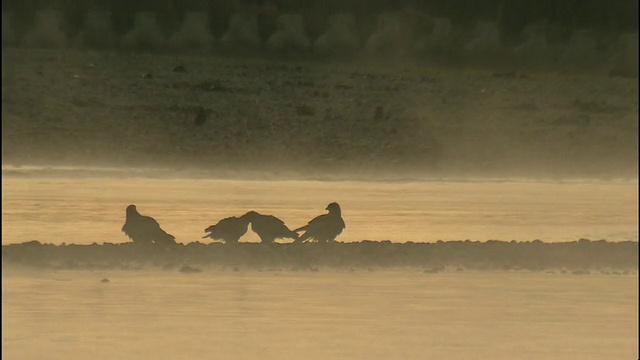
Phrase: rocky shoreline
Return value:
(578, 257)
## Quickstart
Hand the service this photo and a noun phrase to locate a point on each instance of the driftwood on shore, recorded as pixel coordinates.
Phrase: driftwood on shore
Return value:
(578, 256)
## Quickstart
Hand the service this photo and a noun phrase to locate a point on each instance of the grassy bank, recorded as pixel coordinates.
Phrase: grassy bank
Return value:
(111, 109)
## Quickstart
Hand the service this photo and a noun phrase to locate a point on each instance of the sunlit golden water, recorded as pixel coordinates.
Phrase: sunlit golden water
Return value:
(401, 314)
(84, 211)
(394, 314)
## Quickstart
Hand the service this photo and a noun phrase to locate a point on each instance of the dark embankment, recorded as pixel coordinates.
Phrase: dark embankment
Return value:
(579, 257)
(313, 119)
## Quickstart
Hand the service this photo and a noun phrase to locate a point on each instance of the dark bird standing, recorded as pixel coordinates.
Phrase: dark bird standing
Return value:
(269, 228)
(228, 230)
(145, 230)
(324, 228)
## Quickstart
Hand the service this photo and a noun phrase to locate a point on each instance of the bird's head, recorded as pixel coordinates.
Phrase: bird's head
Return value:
(250, 215)
(131, 210)
(333, 208)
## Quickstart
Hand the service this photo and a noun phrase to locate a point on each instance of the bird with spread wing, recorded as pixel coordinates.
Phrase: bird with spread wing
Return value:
(269, 228)
(324, 228)
(228, 230)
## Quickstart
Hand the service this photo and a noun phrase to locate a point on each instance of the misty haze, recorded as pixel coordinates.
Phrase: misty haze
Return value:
(320, 180)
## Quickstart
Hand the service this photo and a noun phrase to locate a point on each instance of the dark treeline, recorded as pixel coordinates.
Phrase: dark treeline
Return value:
(512, 15)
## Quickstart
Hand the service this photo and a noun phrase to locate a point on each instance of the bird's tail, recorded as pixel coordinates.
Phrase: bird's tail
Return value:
(168, 239)
(302, 238)
(294, 236)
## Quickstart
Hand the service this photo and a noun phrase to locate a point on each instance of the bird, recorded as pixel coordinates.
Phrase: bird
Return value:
(145, 230)
(228, 230)
(269, 228)
(324, 228)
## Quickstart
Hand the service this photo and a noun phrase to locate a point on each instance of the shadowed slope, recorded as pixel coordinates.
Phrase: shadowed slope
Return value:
(145, 230)
(324, 228)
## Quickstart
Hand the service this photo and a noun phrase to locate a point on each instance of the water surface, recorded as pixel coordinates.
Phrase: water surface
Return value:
(83, 211)
(401, 314)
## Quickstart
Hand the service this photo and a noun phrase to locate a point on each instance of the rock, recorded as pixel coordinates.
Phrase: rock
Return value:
(180, 68)
(305, 110)
(189, 270)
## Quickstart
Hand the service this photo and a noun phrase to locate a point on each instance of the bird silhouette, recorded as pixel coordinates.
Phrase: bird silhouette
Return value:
(228, 230)
(324, 228)
(269, 228)
(145, 230)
